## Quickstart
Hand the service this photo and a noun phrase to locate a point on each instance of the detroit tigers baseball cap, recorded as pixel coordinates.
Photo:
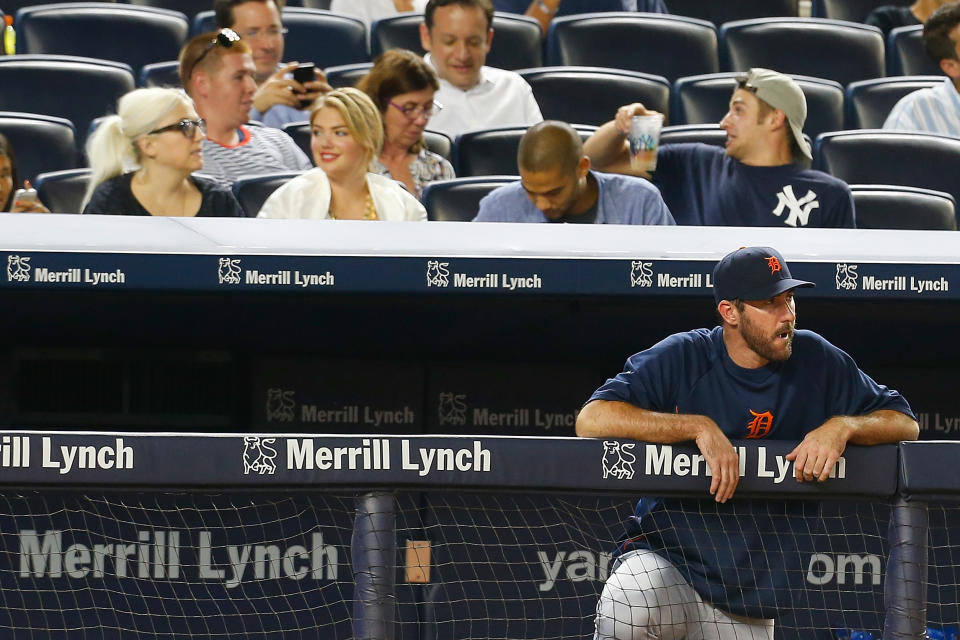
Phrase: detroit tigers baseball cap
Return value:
(753, 273)
(781, 92)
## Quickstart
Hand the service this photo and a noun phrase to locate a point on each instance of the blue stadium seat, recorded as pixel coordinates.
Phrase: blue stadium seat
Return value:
(906, 55)
(830, 49)
(346, 75)
(160, 74)
(493, 152)
(134, 35)
(253, 191)
(869, 102)
(898, 207)
(10, 7)
(710, 134)
(85, 88)
(875, 156)
(458, 200)
(665, 45)
(63, 191)
(850, 10)
(608, 89)
(730, 10)
(325, 38)
(187, 7)
(704, 99)
(517, 40)
(40, 143)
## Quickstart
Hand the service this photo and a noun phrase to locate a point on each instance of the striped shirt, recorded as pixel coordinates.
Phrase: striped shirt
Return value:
(262, 150)
(933, 110)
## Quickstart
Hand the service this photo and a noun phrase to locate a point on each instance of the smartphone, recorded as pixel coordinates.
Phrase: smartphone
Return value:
(305, 73)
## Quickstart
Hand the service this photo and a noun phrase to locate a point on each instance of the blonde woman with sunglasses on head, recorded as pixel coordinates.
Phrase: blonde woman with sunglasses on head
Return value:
(143, 157)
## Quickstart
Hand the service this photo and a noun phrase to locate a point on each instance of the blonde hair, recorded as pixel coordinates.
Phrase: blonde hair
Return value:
(112, 149)
(361, 115)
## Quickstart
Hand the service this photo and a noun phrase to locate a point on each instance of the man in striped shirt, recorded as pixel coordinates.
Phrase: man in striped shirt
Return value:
(217, 70)
(937, 109)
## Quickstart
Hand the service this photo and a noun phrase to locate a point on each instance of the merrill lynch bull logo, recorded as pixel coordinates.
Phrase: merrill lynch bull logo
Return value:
(18, 269)
(280, 405)
(438, 275)
(452, 410)
(258, 457)
(641, 274)
(229, 271)
(618, 460)
(847, 277)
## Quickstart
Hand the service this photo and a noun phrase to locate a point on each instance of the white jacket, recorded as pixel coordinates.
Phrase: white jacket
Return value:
(308, 197)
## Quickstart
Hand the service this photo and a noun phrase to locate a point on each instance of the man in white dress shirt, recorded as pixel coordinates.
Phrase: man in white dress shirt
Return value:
(458, 34)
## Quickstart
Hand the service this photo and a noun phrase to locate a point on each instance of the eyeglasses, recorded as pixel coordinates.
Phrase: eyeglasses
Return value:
(272, 33)
(415, 111)
(186, 126)
(226, 38)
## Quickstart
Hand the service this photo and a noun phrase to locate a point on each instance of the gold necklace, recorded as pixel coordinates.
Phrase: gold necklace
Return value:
(369, 211)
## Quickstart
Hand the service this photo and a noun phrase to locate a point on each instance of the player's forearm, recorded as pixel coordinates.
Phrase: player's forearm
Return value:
(612, 419)
(882, 427)
(607, 149)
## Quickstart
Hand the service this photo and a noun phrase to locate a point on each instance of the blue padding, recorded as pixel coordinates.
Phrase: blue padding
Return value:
(930, 469)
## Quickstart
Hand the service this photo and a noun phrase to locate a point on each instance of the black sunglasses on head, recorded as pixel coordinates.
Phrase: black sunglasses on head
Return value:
(186, 126)
(225, 38)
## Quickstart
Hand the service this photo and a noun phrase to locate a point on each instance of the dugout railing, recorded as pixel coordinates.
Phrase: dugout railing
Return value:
(107, 535)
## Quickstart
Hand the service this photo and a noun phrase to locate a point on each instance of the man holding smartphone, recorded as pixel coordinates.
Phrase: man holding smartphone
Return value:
(284, 91)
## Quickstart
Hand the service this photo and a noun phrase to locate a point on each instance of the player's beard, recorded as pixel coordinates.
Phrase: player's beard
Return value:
(769, 347)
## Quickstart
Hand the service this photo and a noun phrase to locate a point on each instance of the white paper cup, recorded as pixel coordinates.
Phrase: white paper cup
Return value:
(644, 139)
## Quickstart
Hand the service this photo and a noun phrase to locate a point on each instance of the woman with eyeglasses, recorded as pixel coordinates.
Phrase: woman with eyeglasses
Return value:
(402, 85)
(143, 159)
(345, 135)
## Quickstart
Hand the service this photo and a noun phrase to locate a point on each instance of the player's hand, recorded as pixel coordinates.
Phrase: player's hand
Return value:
(626, 113)
(722, 458)
(815, 457)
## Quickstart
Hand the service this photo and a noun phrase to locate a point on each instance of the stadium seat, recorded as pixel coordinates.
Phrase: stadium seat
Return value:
(517, 41)
(897, 207)
(869, 102)
(346, 75)
(123, 33)
(704, 99)
(253, 191)
(608, 89)
(840, 51)
(730, 10)
(63, 191)
(313, 4)
(850, 10)
(160, 74)
(458, 200)
(493, 152)
(10, 7)
(665, 45)
(188, 7)
(875, 156)
(40, 143)
(325, 38)
(706, 133)
(85, 88)
(437, 142)
(906, 55)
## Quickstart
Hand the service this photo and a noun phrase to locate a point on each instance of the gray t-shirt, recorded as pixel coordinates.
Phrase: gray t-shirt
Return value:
(260, 150)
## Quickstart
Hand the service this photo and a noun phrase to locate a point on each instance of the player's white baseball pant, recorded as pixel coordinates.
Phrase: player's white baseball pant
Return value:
(646, 598)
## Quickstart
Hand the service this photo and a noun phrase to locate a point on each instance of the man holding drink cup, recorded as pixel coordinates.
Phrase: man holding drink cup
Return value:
(757, 179)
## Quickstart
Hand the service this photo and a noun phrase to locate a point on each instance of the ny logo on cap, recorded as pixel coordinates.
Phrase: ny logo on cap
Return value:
(774, 264)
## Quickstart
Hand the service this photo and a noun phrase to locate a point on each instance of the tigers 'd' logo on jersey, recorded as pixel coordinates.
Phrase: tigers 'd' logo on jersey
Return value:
(760, 425)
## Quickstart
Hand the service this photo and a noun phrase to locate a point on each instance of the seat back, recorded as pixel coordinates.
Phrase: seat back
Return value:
(906, 55)
(591, 95)
(86, 88)
(123, 33)
(253, 191)
(850, 10)
(705, 99)
(346, 75)
(10, 7)
(160, 74)
(517, 41)
(879, 156)
(63, 191)
(710, 134)
(897, 207)
(491, 152)
(869, 102)
(665, 45)
(730, 10)
(830, 49)
(187, 7)
(458, 200)
(314, 4)
(40, 143)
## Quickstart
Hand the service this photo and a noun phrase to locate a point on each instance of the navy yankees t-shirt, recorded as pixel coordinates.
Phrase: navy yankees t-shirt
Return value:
(702, 185)
(743, 555)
